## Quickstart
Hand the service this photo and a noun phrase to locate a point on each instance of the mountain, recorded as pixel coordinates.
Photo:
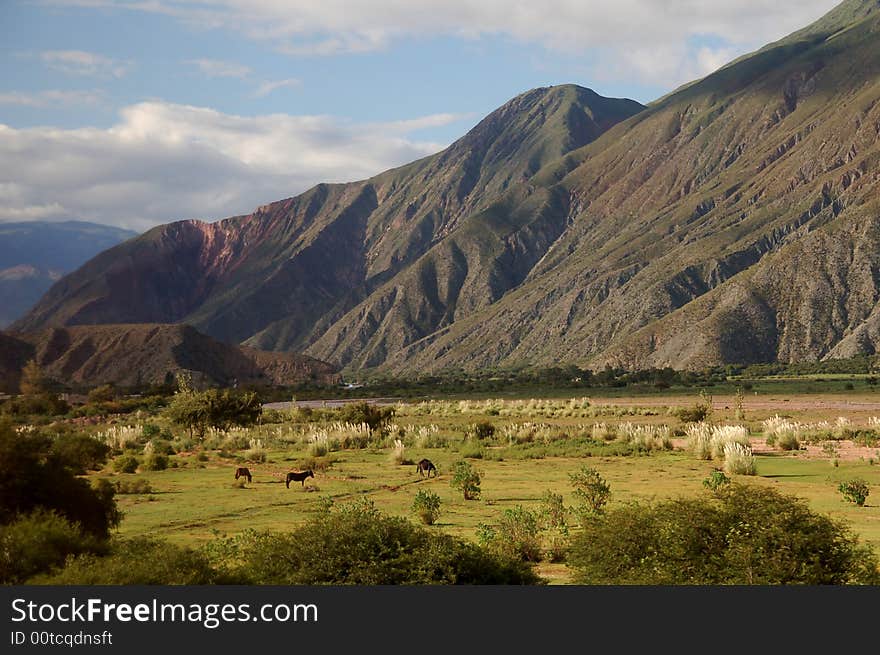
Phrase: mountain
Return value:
(734, 220)
(278, 277)
(35, 255)
(130, 355)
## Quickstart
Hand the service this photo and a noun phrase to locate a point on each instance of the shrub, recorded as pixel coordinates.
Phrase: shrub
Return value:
(136, 486)
(466, 479)
(483, 430)
(591, 489)
(699, 412)
(516, 535)
(743, 535)
(374, 416)
(155, 462)
(39, 543)
(126, 464)
(716, 480)
(81, 452)
(140, 561)
(33, 476)
(357, 545)
(427, 505)
(855, 491)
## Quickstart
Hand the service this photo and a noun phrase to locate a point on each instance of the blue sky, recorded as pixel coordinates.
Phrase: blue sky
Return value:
(137, 112)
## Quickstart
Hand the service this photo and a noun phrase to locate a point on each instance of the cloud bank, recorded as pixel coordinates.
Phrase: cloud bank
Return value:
(660, 42)
(162, 162)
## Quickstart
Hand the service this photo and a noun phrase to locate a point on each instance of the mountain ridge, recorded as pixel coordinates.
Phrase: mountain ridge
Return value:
(564, 228)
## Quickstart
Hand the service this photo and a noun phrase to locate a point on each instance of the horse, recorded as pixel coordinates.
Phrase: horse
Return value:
(426, 466)
(242, 472)
(299, 477)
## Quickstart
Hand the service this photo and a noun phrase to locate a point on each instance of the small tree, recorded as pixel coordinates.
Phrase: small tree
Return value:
(855, 491)
(427, 505)
(197, 411)
(466, 480)
(592, 490)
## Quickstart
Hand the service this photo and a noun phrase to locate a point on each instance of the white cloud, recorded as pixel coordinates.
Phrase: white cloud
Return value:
(268, 87)
(162, 162)
(79, 62)
(216, 68)
(625, 32)
(50, 98)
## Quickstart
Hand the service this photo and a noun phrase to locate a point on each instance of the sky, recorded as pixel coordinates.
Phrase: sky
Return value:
(140, 112)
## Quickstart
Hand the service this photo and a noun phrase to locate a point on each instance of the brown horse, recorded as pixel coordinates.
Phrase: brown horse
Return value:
(242, 472)
(426, 466)
(299, 476)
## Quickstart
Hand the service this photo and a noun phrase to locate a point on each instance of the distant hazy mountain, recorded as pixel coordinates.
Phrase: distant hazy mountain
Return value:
(35, 255)
(736, 219)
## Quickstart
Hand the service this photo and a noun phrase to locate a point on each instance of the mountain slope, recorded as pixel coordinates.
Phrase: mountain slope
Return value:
(733, 220)
(686, 198)
(34, 255)
(278, 277)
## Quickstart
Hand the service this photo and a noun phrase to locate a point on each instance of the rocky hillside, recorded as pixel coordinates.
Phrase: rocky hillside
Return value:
(734, 220)
(129, 355)
(278, 277)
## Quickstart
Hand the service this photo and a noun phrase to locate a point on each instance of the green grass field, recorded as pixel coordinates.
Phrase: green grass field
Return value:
(197, 500)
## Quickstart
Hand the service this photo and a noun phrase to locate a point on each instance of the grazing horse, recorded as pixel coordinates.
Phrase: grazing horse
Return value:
(299, 477)
(242, 472)
(426, 466)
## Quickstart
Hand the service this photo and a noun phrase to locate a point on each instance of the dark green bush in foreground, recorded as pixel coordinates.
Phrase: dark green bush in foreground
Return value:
(359, 546)
(140, 561)
(743, 535)
(38, 542)
(34, 474)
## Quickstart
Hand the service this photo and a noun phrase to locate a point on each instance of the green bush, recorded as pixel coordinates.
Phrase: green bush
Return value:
(742, 535)
(136, 486)
(716, 480)
(39, 543)
(140, 561)
(699, 412)
(363, 412)
(155, 462)
(516, 535)
(33, 476)
(81, 452)
(553, 511)
(483, 430)
(855, 491)
(466, 479)
(427, 505)
(126, 464)
(356, 545)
